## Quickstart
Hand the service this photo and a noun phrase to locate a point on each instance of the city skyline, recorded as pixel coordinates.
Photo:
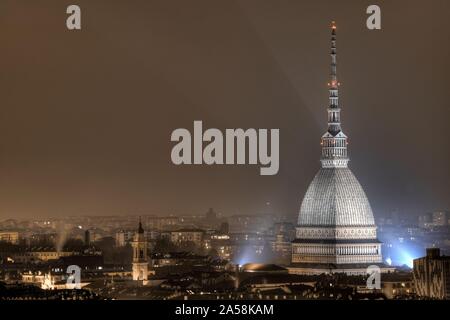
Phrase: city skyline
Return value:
(91, 136)
(215, 158)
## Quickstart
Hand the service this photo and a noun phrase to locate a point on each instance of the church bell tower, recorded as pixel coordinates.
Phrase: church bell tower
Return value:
(140, 261)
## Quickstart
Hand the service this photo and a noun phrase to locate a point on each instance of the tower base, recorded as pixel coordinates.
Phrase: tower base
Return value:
(349, 269)
(140, 271)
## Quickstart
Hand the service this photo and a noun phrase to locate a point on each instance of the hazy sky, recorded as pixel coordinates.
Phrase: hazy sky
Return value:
(86, 116)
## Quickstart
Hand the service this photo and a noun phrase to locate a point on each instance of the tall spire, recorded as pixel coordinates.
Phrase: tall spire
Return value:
(334, 125)
(333, 52)
(334, 141)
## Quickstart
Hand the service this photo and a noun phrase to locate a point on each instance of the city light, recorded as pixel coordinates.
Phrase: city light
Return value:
(389, 261)
(402, 253)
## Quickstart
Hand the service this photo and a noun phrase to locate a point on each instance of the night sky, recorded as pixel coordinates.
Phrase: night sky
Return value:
(86, 116)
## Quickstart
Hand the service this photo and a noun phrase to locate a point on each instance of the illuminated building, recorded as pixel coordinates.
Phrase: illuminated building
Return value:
(425, 220)
(140, 260)
(9, 236)
(44, 280)
(432, 275)
(336, 231)
(178, 259)
(248, 223)
(434, 219)
(39, 254)
(440, 218)
(221, 243)
(160, 223)
(281, 246)
(401, 287)
(187, 236)
(48, 281)
(123, 238)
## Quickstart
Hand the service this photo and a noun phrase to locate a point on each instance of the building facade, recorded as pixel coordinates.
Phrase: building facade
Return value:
(37, 255)
(9, 236)
(187, 235)
(434, 219)
(281, 246)
(432, 275)
(336, 231)
(123, 238)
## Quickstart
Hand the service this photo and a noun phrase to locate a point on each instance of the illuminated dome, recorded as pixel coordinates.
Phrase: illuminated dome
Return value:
(336, 231)
(335, 198)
